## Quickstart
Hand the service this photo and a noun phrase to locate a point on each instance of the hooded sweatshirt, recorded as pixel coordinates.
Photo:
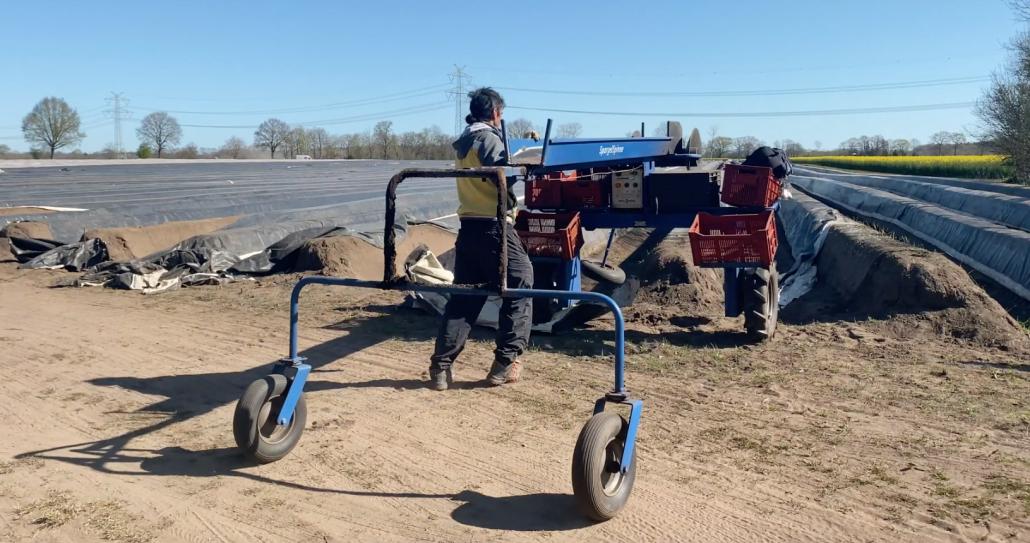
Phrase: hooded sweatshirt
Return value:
(480, 145)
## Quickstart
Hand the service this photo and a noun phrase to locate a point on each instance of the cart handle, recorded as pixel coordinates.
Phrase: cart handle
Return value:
(495, 174)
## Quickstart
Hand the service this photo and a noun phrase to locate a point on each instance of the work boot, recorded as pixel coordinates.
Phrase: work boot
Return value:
(440, 379)
(501, 373)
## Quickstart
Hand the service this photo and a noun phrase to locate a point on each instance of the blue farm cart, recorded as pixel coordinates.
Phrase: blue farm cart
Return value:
(270, 416)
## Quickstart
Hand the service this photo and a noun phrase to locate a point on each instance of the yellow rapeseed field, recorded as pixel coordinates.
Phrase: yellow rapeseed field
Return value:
(975, 166)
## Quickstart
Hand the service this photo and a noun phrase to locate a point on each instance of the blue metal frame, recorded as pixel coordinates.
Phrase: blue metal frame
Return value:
(636, 407)
(618, 393)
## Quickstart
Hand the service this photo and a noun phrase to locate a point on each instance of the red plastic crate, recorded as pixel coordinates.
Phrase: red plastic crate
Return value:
(550, 234)
(544, 192)
(752, 186)
(719, 240)
(585, 192)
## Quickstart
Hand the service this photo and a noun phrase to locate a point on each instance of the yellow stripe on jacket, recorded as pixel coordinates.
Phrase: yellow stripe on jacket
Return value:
(477, 197)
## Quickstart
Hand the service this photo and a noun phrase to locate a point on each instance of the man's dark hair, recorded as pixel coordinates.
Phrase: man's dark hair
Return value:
(482, 103)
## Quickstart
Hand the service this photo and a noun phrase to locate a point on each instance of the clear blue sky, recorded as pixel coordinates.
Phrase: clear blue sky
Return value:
(300, 56)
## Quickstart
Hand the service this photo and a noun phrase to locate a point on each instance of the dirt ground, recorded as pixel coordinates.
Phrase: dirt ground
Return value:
(118, 415)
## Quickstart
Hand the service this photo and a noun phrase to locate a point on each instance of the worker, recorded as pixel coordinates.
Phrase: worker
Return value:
(477, 252)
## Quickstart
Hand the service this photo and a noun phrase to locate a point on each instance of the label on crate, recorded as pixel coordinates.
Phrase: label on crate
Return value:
(628, 189)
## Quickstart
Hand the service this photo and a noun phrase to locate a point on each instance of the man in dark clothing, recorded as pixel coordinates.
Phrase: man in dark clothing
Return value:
(477, 251)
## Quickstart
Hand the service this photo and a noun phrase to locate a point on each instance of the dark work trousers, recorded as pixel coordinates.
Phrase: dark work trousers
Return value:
(477, 252)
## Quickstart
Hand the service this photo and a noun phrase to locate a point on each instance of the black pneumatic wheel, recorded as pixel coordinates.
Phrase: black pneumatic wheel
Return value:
(254, 425)
(761, 292)
(600, 487)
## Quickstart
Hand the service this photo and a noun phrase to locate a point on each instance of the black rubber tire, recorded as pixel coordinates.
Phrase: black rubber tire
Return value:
(761, 292)
(253, 424)
(608, 273)
(601, 490)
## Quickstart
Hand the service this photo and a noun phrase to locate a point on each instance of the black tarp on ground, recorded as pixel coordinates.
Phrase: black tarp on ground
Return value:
(1006, 209)
(140, 194)
(999, 252)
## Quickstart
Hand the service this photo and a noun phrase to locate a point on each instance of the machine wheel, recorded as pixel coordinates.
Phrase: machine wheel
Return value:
(761, 291)
(604, 272)
(254, 424)
(600, 487)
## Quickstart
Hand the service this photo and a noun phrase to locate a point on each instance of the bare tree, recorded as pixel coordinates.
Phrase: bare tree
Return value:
(719, 146)
(792, 148)
(900, 147)
(519, 128)
(53, 123)
(234, 147)
(382, 134)
(744, 146)
(1022, 9)
(817, 145)
(956, 139)
(318, 141)
(159, 129)
(570, 130)
(940, 139)
(271, 134)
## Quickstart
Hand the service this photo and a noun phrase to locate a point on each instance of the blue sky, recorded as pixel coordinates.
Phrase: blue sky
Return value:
(353, 63)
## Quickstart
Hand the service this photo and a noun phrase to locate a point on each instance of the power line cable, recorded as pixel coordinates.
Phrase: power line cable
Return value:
(761, 114)
(414, 93)
(423, 108)
(768, 92)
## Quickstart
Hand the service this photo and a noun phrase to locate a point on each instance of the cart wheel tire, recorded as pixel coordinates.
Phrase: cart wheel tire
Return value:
(604, 272)
(601, 489)
(254, 426)
(762, 309)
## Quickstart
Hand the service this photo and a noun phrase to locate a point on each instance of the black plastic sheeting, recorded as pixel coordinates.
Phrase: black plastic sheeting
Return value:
(1006, 209)
(139, 194)
(72, 257)
(973, 184)
(806, 223)
(999, 252)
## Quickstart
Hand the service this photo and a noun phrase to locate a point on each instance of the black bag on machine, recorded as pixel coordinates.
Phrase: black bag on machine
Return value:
(770, 157)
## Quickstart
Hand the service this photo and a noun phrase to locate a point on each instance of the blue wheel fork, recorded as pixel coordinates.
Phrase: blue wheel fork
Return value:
(296, 365)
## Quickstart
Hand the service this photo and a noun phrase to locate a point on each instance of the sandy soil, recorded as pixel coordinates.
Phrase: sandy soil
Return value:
(132, 242)
(23, 210)
(118, 410)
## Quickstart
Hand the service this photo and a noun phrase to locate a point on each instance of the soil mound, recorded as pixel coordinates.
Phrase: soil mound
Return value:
(863, 273)
(670, 284)
(27, 229)
(351, 256)
(133, 242)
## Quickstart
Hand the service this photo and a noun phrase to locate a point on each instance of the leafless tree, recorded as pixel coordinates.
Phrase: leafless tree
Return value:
(4, 150)
(719, 146)
(1022, 9)
(956, 139)
(744, 146)
(900, 147)
(519, 128)
(53, 123)
(159, 129)
(271, 134)
(234, 147)
(318, 140)
(383, 136)
(940, 139)
(570, 130)
(792, 148)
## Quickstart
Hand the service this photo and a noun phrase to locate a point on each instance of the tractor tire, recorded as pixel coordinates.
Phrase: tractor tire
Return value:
(761, 292)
